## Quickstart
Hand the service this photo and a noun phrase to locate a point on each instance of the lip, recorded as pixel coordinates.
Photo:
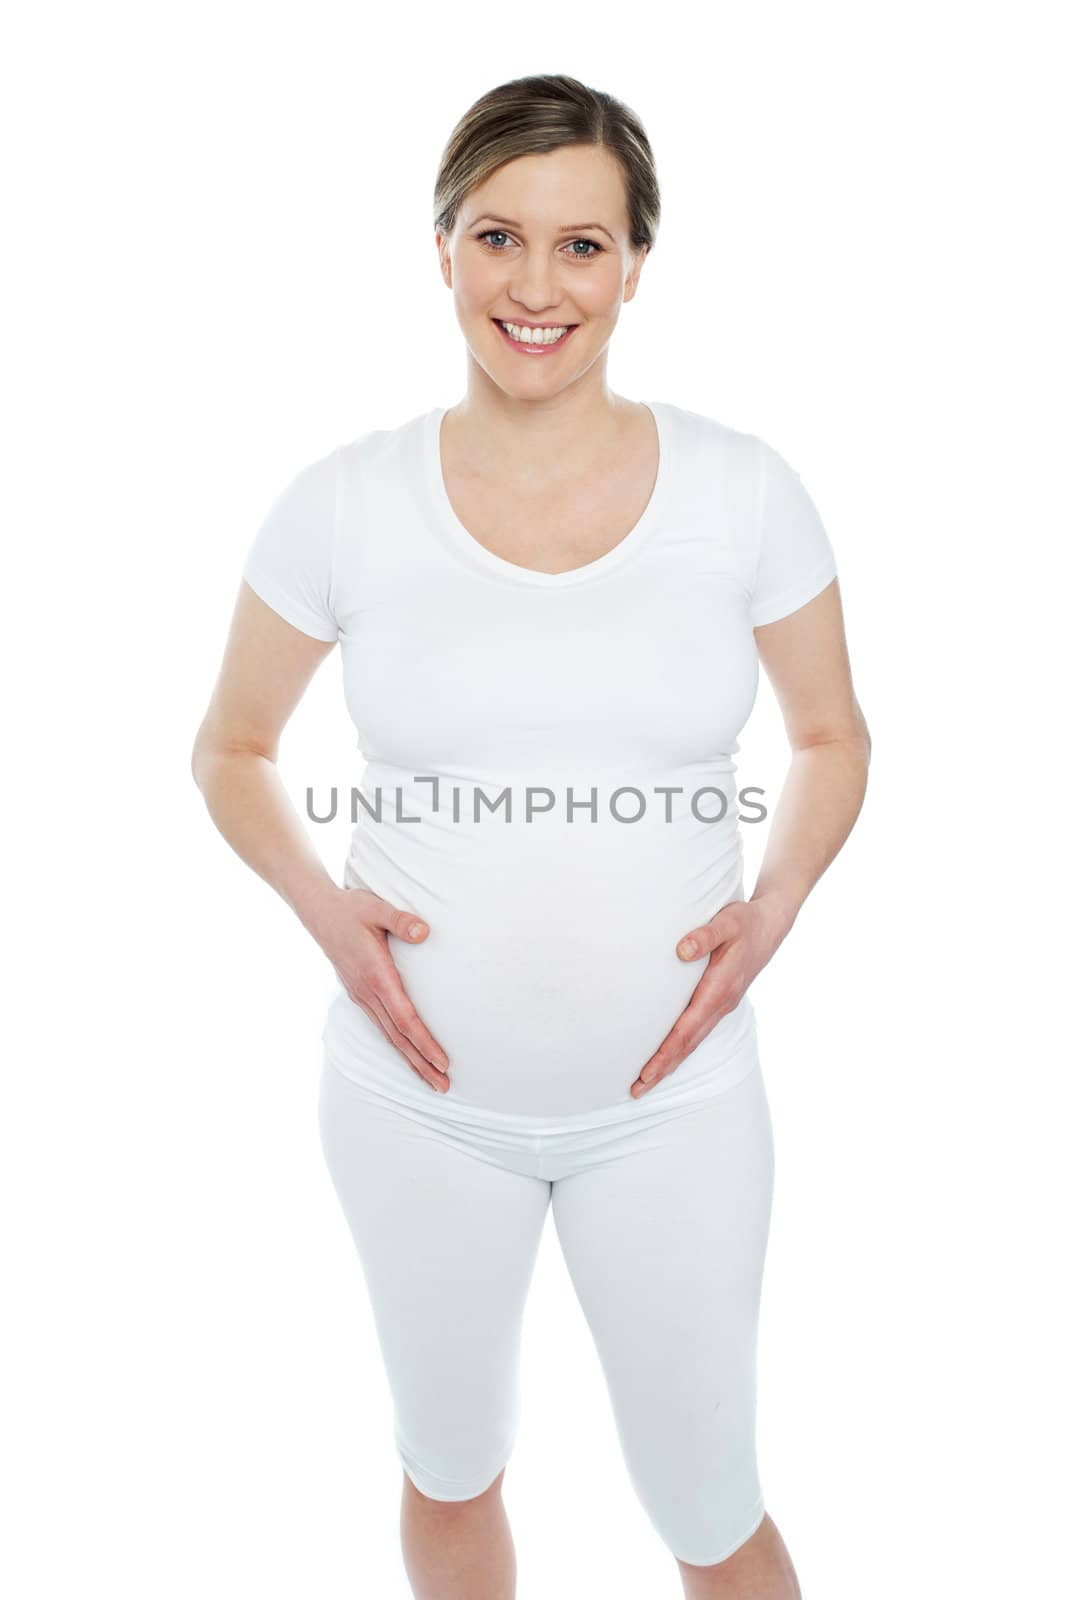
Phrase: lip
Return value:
(533, 349)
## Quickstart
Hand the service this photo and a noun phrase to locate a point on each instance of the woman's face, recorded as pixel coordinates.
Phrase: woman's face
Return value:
(515, 255)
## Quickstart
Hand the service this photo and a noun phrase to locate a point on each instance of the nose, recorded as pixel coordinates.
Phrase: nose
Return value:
(534, 283)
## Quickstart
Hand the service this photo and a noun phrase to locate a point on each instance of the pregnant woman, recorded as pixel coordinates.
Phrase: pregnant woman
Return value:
(551, 604)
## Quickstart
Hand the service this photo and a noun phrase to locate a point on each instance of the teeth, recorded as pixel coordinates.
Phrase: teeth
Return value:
(534, 335)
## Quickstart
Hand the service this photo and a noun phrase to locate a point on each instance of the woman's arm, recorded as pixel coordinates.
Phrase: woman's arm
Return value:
(805, 658)
(266, 667)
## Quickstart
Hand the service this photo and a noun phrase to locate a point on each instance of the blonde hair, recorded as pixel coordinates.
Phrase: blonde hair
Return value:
(534, 115)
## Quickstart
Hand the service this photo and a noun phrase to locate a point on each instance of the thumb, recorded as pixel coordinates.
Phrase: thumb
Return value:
(701, 941)
(404, 924)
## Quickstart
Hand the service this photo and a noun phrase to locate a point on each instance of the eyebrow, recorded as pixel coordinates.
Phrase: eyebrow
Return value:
(570, 227)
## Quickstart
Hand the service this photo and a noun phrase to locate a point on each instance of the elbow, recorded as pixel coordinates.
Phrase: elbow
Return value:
(204, 748)
(196, 759)
(210, 747)
(860, 741)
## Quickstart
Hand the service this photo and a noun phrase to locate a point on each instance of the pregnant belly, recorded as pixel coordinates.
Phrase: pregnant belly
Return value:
(550, 975)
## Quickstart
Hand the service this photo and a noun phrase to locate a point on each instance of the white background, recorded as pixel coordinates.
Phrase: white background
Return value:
(220, 265)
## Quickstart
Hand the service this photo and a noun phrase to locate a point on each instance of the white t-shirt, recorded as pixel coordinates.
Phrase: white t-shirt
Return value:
(550, 974)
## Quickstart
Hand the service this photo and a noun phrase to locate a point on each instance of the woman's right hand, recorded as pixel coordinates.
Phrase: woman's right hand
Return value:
(352, 928)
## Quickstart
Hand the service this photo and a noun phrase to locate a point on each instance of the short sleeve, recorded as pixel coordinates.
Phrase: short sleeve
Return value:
(795, 556)
(290, 562)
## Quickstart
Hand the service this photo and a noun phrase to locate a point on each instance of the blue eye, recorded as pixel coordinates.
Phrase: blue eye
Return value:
(499, 233)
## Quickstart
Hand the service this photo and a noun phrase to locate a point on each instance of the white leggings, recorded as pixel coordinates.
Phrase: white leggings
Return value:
(663, 1222)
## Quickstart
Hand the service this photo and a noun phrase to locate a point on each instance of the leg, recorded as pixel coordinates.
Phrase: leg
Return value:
(760, 1569)
(447, 1240)
(458, 1550)
(664, 1236)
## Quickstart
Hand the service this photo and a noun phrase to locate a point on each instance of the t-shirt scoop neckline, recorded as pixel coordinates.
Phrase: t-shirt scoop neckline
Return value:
(462, 543)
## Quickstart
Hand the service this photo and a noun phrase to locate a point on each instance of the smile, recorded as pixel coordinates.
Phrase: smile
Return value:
(533, 341)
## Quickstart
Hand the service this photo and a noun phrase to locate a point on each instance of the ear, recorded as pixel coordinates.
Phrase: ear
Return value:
(633, 276)
(443, 248)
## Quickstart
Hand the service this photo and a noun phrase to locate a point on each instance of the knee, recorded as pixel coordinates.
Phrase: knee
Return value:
(450, 1462)
(725, 1543)
(445, 1494)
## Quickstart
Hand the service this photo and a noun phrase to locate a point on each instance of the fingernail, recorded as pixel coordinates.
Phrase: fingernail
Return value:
(416, 930)
(687, 947)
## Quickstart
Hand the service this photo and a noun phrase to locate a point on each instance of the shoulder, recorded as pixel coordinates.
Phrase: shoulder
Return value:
(379, 449)
(721, 465)
(699, 436)
(747, 462)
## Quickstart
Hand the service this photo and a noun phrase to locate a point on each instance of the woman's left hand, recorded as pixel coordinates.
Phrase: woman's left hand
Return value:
(739, 940)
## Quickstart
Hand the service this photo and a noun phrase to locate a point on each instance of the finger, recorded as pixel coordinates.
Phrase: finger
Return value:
(389, 990)
(710, 935)
(414, 1059)
(691, 1028)
(404, 924)
(702, 941)
(679, 1041)
(718, 990)
(377, 1012)
(389, 986)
